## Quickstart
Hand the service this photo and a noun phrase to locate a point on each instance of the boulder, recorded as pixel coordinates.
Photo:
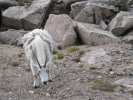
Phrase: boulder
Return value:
(77, 7)
(9, 36)
(92, 12)
(130, 2)
(103, 25)
(122, 22)
(128, 38)
(127, 82)
(18, 41)
(26, 17)
(69, 2)
(62, 30)
(109, 2)
(86, 25)
(96, 56)
(93, 36)
(106, 10)
(85, 16)
(8, 3)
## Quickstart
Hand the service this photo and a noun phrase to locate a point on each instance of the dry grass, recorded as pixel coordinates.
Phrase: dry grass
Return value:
(103, 86)
(15, 63)
(73, 49)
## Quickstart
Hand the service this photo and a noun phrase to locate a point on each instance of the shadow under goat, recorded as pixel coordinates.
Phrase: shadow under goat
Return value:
(38, 45)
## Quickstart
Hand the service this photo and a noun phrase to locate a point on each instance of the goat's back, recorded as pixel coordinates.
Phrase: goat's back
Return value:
(40, 49)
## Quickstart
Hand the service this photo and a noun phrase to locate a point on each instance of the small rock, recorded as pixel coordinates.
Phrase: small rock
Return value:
(10, 92)
(131, 73)
(10, 99)
(31, 92)
(78, 79)
(47, 95)
(19, 75)
(112, 73)
(99, 77)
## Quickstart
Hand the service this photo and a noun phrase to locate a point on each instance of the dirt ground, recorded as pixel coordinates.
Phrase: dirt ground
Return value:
(72, 80)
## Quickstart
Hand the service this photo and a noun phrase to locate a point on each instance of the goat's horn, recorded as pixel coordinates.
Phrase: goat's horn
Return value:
(38, 63)
(45, 62)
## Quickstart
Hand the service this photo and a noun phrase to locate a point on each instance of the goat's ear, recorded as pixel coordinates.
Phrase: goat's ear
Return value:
(48, 64)
(36, 65)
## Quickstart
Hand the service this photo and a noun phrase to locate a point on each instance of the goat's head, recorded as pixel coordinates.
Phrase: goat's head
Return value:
(42, 72)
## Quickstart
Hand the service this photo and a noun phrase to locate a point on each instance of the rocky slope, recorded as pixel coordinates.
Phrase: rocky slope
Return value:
(72, 79)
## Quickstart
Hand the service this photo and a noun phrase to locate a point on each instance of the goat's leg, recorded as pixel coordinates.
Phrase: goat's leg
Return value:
(36, 81)
(49, 76)
(35, 74)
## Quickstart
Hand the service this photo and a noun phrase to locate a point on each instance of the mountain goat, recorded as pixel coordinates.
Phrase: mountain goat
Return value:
(38, 45)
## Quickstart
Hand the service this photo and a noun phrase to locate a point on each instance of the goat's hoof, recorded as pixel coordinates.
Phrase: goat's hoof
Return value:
(45, 83)
(36, 87)
(49, 80)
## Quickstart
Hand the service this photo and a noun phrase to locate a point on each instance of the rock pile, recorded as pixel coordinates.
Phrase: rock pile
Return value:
(94, 22)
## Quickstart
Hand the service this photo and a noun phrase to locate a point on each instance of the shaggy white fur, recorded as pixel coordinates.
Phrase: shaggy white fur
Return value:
(30, 36)
(38, 45)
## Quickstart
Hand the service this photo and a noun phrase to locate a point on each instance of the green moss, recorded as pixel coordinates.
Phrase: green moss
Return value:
(27, 1)
(59, 48)
(54, 52)
(81, 53)
(20, 55)
(76, 59)
(60, 56)
(27, 69)
(81, 81)
(123, 7)
(110, 69)
(21, 3)
(73, 49)
(103, 86)
(111, 76)
(92, 68)
(2, 42)
(15, 63)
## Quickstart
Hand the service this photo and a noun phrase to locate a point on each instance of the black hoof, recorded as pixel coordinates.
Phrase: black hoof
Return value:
(36, 87)
(49, 80)
(45, 83)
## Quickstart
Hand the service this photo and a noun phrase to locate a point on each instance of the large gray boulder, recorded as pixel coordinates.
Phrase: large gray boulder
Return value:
(86, 25)
(92, 12)
(130, 2)
(122, 22)
(77, 7)
(9, 36)
(109, 2)
(62, 30)
(26, 17)
(106, 10)
(93, 36)
(86, 15)
(128, 38)
(95, 57)
(69, 2)
(126, 82)
(8, 3)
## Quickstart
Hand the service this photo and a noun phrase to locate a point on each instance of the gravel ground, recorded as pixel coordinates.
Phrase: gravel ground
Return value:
(72, 79)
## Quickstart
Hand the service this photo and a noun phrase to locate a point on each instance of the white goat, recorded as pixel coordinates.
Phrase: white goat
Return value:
(38, 47)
